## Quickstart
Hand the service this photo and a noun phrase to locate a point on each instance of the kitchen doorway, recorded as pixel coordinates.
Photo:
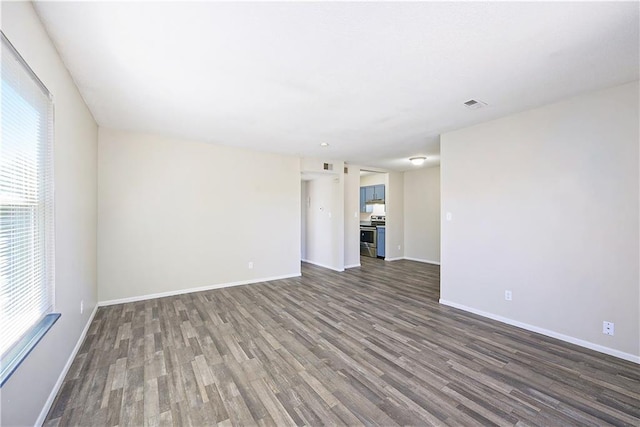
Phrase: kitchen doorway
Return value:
(372, 204)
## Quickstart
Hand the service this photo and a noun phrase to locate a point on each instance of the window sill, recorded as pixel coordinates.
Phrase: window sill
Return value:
(22, 349)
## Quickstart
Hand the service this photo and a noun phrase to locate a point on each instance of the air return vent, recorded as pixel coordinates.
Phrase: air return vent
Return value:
(346, 170)
(474, 104)
(328, 167)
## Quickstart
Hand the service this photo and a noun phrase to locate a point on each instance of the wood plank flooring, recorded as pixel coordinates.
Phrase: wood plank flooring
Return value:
(370, 346)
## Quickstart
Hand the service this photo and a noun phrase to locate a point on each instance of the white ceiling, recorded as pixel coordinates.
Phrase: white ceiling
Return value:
(377, 81)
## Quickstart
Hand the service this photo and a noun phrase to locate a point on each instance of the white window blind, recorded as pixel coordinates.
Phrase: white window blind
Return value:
(26, 202)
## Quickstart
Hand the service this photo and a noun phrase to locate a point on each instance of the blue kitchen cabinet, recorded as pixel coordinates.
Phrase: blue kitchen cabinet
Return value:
(381, 240)
(374, 192)
(369, 192)
(378, 192)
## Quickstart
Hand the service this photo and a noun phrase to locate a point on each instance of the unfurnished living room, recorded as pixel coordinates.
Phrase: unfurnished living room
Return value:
(320, 213)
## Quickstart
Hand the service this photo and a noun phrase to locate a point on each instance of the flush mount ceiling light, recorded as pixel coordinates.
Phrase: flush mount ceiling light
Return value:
(417, 160)
(324, 144)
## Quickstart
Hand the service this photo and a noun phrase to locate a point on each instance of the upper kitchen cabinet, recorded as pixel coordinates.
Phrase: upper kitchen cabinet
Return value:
(378, 192)
(374, 193)
(369, 195)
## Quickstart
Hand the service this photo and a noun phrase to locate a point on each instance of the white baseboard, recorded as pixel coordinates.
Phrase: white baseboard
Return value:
(322, 265)
(394, 259)
(65, 370)
(582, 343)
(352, 266)
(190, 290)
(426, 261)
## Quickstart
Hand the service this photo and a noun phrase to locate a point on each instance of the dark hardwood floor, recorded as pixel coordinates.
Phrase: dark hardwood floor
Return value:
(368, 346)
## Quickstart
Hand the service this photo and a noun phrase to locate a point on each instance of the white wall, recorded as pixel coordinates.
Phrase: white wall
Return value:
(177, 215)
(303, 220)
(545, 203)
(422, 215)
(325, 244)
(394, 198)
(25, 395)
(320, 241)
(338, 217)
(376, 178)
(352, 217)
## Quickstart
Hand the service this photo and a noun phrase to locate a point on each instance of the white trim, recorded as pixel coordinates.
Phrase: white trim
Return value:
(426, 261)
(577, 341)
(394, 259)
(190, 290)
(352, 266)
(322, 265)
(56, 388)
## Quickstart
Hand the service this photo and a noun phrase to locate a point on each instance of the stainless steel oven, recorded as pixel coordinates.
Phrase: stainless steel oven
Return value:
(368, 240)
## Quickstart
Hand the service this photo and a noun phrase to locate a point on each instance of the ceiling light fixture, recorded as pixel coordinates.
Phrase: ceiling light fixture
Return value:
(324, 144)
(417, 160)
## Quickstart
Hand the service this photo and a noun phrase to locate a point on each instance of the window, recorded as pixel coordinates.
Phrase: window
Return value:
(26, 211)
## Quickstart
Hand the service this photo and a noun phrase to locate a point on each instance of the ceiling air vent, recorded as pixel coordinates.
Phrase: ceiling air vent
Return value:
(474, 104)
(328, 167)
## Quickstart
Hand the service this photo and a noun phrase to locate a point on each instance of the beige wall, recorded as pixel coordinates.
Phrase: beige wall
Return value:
(373, 179)
(422, 215)
(303, 219)
(177, 215)
(320, 239)
(27, 394)
(325, 239)
(352, 217)
(545, 203)
(394, 198)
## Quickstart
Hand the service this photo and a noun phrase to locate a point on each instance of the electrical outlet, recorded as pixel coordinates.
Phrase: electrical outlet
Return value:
(250, 265)
(608, 328)
(399, 247)
(507, 295)
(81, 306)
(448, 216)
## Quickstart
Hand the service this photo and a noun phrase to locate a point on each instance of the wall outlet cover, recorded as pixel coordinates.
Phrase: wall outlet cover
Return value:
(608, 328)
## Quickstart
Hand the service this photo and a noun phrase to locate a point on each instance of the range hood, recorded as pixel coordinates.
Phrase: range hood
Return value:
(374, 202)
